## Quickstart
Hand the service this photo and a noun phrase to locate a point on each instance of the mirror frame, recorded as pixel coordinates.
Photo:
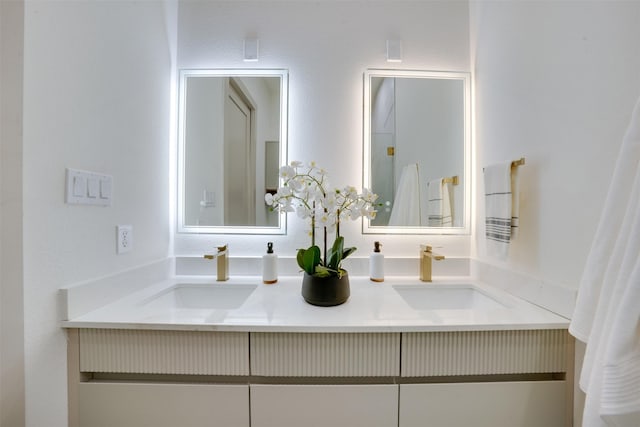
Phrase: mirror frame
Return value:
(283, 74)
(367, 228)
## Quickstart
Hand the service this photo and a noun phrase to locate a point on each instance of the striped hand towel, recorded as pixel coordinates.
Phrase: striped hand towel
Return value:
(439, 204)
(499, 209)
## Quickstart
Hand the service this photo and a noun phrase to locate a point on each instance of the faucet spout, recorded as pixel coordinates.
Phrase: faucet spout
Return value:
(222, 266)
(426, 258)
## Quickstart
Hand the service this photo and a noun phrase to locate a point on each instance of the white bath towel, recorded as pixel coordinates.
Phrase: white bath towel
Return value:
(498, 209)
(406, 203)
(607, 312)
(439, 207)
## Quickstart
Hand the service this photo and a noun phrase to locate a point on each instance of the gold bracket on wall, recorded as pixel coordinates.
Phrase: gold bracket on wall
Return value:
(517, 163)
(391, 151)
(451, 180)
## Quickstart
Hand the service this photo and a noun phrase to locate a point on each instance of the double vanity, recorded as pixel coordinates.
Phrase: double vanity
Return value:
(186, 350)
(192, 351)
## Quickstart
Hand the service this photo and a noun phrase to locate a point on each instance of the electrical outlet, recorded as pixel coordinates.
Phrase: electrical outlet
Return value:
(124, 238)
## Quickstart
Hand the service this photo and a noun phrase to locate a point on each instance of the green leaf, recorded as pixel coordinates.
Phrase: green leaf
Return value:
(310, 259)
(322, 271)
(348, 252)
(299, 258)
(335, 253)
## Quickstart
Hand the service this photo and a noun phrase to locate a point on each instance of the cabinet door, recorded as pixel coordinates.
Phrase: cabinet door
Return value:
(499, 404)
(324, 405)
(163, 405)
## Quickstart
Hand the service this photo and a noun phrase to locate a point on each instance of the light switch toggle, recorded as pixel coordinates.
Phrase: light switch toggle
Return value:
(92, 188)
(105, 188)
(79, 186)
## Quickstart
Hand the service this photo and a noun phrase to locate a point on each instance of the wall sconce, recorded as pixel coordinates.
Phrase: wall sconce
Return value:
(251, 50)
(394, 51)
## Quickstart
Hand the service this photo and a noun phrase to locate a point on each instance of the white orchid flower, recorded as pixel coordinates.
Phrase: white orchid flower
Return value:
(288, 207)
(287, 172)
(304, 212)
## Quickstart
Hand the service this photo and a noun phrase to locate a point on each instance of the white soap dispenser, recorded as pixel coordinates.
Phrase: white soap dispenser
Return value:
(376, 264)
(269, 266)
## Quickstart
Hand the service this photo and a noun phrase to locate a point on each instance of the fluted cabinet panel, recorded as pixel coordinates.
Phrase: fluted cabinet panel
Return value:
(484, 352)
(325, 354)
(164, 352)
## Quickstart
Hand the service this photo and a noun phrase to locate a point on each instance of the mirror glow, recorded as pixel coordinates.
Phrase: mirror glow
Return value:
(417, 151)
(232, 139)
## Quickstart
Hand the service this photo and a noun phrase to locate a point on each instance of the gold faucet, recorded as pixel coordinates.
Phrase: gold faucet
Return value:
(222, 268)
(426, 257)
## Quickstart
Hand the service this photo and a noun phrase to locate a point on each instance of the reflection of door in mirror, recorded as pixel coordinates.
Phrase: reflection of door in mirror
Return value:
(239, 157)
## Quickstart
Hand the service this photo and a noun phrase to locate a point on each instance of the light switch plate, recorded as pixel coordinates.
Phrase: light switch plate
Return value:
(83, 188)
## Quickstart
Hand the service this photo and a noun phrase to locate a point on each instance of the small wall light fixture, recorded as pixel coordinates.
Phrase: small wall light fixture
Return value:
(394, 51)
(250, 50)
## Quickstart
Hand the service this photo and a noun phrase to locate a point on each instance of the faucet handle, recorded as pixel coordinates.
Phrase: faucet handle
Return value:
(429, 249)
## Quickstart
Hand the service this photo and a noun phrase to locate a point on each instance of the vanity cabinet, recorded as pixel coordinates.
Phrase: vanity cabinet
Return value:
(514, 378)
(136, 378)
(335, 369)
(258, 379)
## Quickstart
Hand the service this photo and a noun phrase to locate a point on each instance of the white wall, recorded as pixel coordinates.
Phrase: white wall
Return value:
(96, 96)
(555, 83)
(326, 46)
(11, 299)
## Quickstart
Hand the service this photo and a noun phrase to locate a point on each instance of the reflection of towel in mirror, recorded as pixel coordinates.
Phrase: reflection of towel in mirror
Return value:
(498, 209)
(607, 312)
(406, 204)
(439, 206)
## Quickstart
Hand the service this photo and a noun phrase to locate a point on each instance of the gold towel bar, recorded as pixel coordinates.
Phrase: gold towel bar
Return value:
(515, 163)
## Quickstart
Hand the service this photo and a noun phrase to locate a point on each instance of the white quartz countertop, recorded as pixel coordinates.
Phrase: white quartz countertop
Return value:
(372, 307)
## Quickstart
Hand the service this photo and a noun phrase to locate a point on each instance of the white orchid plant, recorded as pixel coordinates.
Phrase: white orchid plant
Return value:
(306, 190)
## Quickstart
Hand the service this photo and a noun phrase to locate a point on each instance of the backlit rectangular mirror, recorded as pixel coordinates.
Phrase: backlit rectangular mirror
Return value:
(232, 139)
(417, 151)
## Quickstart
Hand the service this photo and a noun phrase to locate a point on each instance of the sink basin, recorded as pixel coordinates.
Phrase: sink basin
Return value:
(201, 296)
(446, 297)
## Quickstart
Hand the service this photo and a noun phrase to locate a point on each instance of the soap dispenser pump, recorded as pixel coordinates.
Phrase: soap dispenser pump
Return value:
(376, 264)
(269, 266)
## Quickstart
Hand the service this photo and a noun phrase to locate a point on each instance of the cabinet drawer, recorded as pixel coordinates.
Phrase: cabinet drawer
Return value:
(325, 354)
(502, 404)
(164, 352)
(426, 354)
(324, 405)
(163, 405)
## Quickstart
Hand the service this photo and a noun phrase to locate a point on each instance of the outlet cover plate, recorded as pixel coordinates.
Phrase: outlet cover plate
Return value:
(124, 238)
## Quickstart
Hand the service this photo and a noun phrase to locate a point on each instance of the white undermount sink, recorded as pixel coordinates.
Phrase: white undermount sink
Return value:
(201, 296)
(446, 297)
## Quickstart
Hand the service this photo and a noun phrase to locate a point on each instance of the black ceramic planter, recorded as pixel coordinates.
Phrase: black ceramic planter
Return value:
(325, 291)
